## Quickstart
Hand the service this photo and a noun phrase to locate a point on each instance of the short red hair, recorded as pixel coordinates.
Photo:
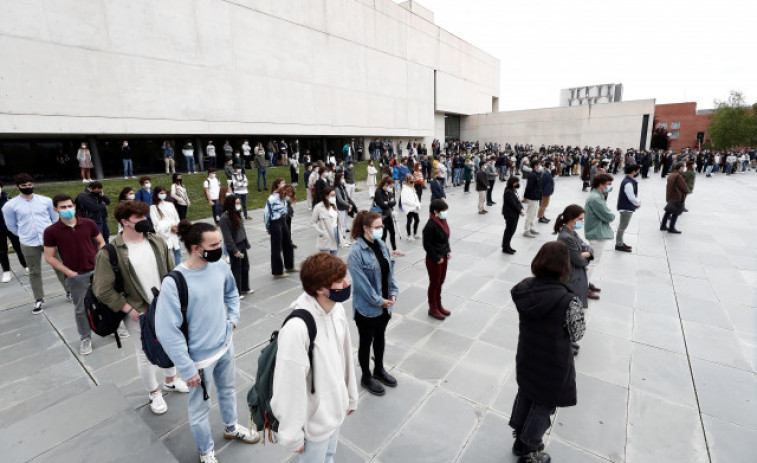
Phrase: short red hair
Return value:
(321, 270)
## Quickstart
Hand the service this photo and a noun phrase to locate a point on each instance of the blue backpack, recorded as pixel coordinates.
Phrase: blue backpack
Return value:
(150, 344)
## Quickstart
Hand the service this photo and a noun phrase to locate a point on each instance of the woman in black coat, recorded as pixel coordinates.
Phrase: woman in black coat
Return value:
(512, 210)
(438, 253)
(384, 200)
(550, 315)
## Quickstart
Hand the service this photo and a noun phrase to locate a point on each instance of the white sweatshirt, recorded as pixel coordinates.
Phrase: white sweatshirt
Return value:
(303, 415)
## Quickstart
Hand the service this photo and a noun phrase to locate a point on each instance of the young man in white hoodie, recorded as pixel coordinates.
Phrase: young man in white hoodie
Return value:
(309, 422)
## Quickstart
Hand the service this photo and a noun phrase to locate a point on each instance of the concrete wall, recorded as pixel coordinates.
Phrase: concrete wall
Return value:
(327, 67)
(614, 125)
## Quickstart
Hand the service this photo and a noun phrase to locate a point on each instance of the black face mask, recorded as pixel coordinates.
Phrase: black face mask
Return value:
(516, 186)
(178, 180)
(143, 226)
(27, 191)
(214, 255)
(340, 295)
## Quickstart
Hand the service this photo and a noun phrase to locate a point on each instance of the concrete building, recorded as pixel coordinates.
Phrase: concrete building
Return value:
(625, 125)
(684, 124)
(107, 70)
(591, 94)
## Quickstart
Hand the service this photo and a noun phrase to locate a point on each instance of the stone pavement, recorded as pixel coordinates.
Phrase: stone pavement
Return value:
(666, 370)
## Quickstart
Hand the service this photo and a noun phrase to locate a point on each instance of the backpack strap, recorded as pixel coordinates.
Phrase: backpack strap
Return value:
(181, 288)
(113, 259)
(307, 317)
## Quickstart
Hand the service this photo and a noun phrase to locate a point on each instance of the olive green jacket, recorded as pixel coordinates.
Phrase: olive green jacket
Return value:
(103, 281)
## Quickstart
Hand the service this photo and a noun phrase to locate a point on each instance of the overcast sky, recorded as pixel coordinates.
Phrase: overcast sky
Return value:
(671, 50)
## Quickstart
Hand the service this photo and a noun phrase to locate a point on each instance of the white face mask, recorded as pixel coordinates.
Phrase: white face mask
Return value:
(147, 185)
(131, 196)
(332, 200)
(238, 207)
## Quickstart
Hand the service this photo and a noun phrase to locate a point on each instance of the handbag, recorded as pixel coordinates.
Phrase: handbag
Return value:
(575, 324)
(375, 208)
(674, 207)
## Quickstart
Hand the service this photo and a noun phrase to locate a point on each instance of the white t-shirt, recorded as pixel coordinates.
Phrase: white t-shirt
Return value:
(213, 186)
(334, 215)
(142, 258)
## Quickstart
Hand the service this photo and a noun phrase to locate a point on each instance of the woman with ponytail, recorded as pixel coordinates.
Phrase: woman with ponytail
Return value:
(581, 254)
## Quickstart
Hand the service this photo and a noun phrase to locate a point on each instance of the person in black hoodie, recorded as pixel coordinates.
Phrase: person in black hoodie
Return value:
(531, 197)
(384, 200)
(550, 318)
(438, 253)
(512, 209)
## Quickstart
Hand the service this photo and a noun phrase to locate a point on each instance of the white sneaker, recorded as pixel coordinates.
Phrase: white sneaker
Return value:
(241, 296)
(417, 236)
(123, 333)
(125, 177)
(528, 234)
(209, 457)
(84, 180)
(249, 291)
(248, 436)
(6, 277)
(26, 269)
(85, 348)
(178, 385)
(410, 238)
(157, 404)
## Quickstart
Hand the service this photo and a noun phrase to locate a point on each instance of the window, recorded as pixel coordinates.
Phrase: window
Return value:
(662, 125)
(674, 134)
(675, 125)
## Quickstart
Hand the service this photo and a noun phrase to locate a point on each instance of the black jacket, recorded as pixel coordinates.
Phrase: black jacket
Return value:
(385, 201)
(435, 241)
(92, 206)
(511, 205)
(482, 184)
(544, 364)
(437, 190)
(533, 186)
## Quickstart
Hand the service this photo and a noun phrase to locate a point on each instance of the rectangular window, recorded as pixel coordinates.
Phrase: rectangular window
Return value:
(675, 125)
(662, 125)
(674, 134)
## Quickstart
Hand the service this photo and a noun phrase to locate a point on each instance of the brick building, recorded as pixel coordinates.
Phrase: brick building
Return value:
(684, 123)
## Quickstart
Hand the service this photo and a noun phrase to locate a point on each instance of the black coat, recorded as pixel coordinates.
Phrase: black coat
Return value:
(435, 241)
(533, 186)
(511, 205)
(385, 201)
(544, 364)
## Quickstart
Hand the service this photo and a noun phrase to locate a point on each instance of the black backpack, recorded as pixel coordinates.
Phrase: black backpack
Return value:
(102, 319)
(150, 344)
(260, 395)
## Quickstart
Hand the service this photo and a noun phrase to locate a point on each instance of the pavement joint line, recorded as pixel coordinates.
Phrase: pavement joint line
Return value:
(78, 360)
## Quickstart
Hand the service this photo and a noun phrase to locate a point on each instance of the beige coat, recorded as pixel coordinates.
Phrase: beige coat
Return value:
(323, 222)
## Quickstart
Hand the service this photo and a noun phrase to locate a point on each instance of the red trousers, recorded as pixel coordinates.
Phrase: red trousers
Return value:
(436, 275)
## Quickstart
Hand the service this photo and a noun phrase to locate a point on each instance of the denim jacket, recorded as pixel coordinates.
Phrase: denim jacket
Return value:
(366, 279)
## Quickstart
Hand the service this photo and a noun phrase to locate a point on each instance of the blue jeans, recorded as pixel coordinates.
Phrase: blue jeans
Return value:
(728, 169)
(222, 373)
(190, 160)
(177, 256)
(262, 172)
(320, 452)
(457, 176)
(128, 168)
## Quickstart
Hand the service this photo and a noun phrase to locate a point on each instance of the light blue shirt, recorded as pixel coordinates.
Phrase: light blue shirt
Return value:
(275, 209)
(28, 218)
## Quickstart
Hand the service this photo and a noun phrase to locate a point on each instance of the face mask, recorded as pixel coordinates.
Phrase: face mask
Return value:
(131, 196)
(68, 213)
(332, 200)
(343, 182)
(126, 144)
(214, 255)
(238, 207)
(237, 171)
(443, 215)
(387, 189)
(340, 295)
(162, 196)
(146, 185)
(540, 169)
(516, 186)
(608, 189)
(143, 226)
(578, 226)
(178, 180)
(212, 176)
(27, 191)
(377, 233)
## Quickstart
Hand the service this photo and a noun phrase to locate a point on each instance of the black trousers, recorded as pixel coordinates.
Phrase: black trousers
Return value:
(419, 191)
(511, 224)
(489, 190)
(530, 421)
(389, 228)
(673, 218)
(372, 331)
(281, 243)
(240, 268)
(181, 210)
(412, 217)
(6, 235)
(467, 186)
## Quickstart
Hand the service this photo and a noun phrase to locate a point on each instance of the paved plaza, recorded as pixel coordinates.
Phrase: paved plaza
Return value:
(667, 369)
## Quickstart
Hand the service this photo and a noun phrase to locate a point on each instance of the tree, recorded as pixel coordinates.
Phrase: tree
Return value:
(660, 139)
(733, 123)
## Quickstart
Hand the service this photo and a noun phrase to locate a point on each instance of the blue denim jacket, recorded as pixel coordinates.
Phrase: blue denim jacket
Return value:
(366, 279)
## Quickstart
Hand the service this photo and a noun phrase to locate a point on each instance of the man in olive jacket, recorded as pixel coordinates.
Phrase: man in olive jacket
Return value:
(260, 164)
(143, 261)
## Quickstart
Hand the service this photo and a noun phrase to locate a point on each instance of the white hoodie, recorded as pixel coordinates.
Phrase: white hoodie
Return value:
(303, 415)
(410, 201)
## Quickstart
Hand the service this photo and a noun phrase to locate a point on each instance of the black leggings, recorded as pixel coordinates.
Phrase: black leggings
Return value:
(5, 235)
(371, 331)
(412, 217)
(511, 224)
(419, 191)
(389, 227)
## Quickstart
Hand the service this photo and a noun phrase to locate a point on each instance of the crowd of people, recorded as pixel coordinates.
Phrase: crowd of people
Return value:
(125, 271)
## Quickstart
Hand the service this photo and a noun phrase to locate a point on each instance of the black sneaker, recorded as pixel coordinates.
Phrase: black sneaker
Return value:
(69, 298)
(543, 220)
(39, 306)
(519, 448)
(372, 385)
(675, 231)
(535, 457)
(385, 378)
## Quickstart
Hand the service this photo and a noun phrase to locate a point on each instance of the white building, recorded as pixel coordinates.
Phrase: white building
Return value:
(106, 70)
(591, 94)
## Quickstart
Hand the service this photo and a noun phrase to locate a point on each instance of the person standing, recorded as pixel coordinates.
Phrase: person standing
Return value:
(309, 422)
(168, 158)
(5, 236)
(385, 201)
(437, 187)
(467, 175)
(247, 154)
(349, 179)
(374, 297)
(567, 225)
(547, 184)
(545, 371)
(74, 240)
(675, 195)
(597, 222)
(491, 177)
(212, 191)
(143, 261)
(345, 206)
(179, 195)
(235, 240)
(239, 186)
(85, 163)
(228, 150)
(690, 175)
(294, 170)
(532, 196)
(274, 217)
(91, 204)
(206, 354)
(260, 165)
(189, 157)
(482, 187)
(144, 194)
(27, 216)
(165, 221)
(370, 180)
(210, 152)
(628, 202)
(325, 221)
(438, 253)
(512, 210)
(126, 157)
(411, 204)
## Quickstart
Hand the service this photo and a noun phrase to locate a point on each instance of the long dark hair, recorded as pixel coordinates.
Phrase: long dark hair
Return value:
(156, 200)
(123, 193)
(569, 214)
(229, 206)
(325, 196)
(511, 182)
